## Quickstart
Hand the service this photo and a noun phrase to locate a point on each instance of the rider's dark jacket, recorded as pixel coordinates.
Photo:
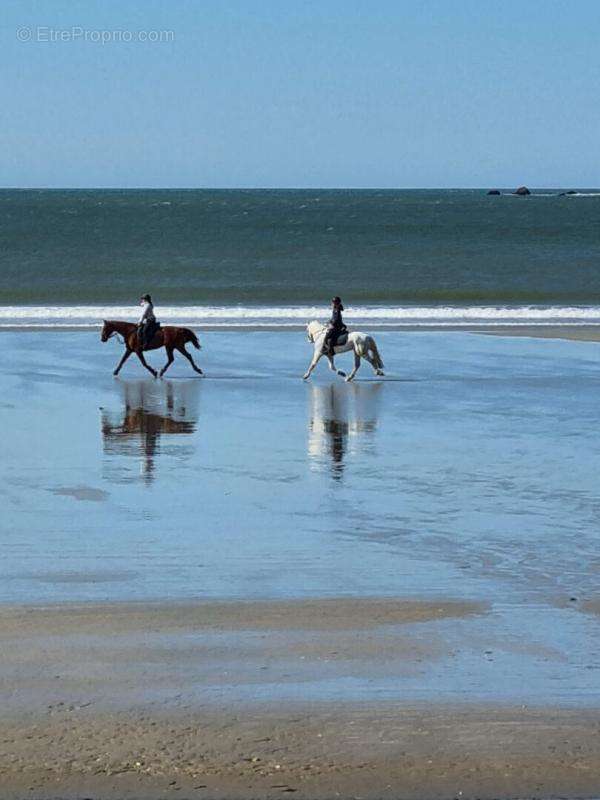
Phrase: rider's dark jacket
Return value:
(336, 322)
(334, 328)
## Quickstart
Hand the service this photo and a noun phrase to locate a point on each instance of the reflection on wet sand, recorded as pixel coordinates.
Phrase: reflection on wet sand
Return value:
(150, 410)
(342, 418)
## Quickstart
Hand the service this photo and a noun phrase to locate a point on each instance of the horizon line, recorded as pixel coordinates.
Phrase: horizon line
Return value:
(288, 188)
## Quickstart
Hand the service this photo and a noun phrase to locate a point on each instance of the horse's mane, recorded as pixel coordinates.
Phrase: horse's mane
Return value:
(315, 327)
(119, 323)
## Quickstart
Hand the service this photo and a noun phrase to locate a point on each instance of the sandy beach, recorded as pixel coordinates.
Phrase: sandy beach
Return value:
(94, 706)
(575, 333)
(314, 753)
(246, 585)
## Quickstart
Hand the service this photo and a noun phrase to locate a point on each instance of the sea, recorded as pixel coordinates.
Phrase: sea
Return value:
(255, 258)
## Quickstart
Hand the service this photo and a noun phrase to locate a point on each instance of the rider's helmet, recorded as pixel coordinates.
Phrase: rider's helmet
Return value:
(337, 303)
(146, 298)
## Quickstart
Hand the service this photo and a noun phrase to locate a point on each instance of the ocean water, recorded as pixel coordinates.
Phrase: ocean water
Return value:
(257, 257)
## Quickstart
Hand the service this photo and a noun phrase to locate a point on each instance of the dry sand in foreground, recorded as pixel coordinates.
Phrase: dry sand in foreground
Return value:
(108, 702)
(320, 753)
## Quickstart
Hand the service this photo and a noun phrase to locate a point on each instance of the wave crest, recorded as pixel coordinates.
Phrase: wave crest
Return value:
(256, 316)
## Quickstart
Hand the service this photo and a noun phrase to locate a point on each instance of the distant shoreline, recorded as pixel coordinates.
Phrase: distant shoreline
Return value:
(581, 333)
(503, 189)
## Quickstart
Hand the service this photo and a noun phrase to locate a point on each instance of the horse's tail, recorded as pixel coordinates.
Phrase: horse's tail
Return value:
(190, 336)
(372, 347)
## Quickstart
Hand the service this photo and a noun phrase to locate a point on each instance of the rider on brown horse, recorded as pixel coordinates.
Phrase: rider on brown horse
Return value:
(148, 334)
(147, 323)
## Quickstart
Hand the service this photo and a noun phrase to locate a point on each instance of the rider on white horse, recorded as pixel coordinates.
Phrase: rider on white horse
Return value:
(322, 338)
(335, 327)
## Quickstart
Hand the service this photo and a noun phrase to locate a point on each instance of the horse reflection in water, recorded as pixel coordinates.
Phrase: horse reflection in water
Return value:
(151, 411)
(342, 420)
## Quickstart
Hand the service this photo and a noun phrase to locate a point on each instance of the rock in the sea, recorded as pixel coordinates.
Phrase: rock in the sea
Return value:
(522, 190)
(493, 191)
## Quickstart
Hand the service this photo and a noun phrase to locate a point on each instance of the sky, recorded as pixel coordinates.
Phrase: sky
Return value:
(294, 93)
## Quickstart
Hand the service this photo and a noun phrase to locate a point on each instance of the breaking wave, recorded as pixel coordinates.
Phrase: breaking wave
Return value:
(257, 316)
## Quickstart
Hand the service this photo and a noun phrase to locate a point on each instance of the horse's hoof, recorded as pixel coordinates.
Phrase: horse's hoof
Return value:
(115, 372)
(305, 377)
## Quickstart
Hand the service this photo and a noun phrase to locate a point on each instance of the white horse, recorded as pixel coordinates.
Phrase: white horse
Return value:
(361, 344)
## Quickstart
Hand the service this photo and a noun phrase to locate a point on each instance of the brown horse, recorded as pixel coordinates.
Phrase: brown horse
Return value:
(169, 337)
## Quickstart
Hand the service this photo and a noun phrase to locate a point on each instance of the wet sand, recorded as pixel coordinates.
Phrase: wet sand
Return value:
(194, 655)
(575, 333)
(592, 606)
(322, 614)
(94, 706)
(247, 585)
(582, 332)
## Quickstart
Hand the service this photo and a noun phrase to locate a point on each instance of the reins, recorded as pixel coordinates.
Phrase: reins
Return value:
(118, 335)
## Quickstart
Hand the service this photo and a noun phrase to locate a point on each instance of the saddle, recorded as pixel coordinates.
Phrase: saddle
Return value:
(147, 332)
(339, 340)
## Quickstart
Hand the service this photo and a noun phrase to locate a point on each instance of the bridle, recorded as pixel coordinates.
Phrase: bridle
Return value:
(117, 334)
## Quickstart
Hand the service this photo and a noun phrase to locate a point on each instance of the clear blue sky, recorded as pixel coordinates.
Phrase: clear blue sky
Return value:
(413, 93)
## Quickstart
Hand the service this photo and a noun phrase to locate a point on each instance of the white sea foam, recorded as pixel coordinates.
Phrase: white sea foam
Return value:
(257, 316)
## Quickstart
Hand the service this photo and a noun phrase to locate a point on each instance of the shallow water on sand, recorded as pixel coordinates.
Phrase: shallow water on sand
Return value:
(474, 463)
(469, 472)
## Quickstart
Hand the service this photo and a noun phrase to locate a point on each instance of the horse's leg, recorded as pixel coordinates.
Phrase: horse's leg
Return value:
(126, 355)
(185, 353)
(356, 366)
(314, 361)
(368, 358)
(140, 355)
(334, 368)
(170, 360)
(371, 361)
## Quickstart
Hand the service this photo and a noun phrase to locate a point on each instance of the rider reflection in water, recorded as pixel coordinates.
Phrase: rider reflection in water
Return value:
(335, 326)
(149, 414)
